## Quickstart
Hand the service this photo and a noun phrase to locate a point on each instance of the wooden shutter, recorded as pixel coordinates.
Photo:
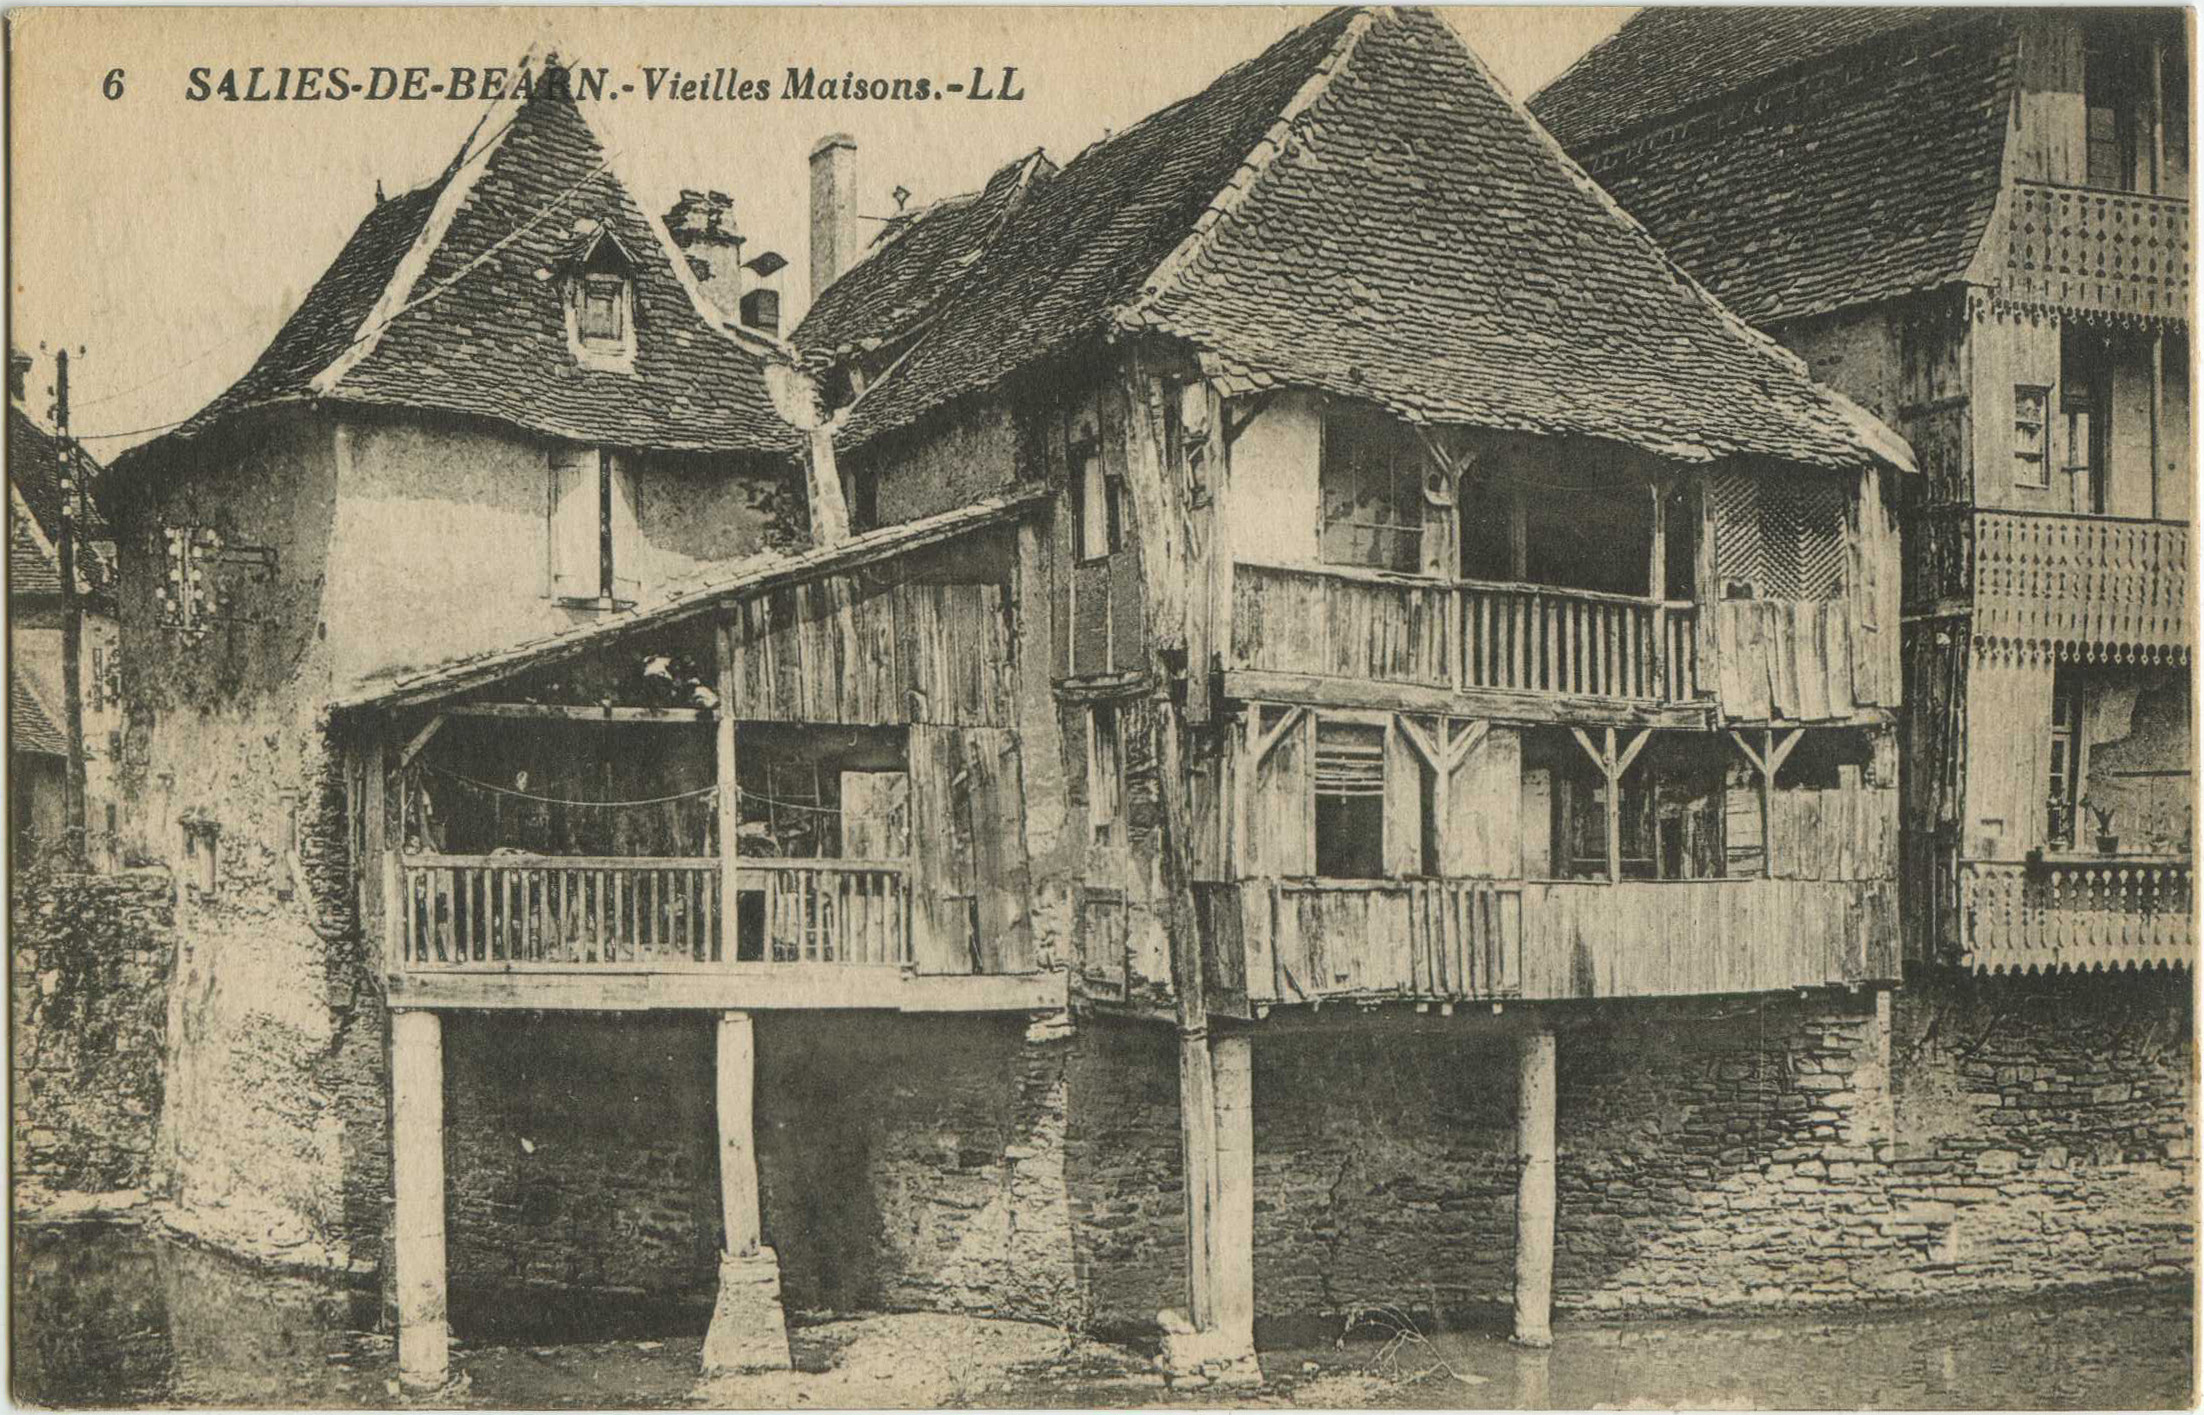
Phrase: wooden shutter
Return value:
(1484, 800)
(627, 540)
(575, 553)
(1403, 806)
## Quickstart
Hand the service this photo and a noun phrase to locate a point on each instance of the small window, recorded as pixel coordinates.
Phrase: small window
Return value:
(2066, 762)
(2085, 403)
(1350, 801)
(2031, 436)
(603, 314)
(594, 547)
(1372, 478)
(1105, 775)
(1097, 516)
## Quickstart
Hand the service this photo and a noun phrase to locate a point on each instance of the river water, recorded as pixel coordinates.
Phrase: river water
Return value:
(111, 1315)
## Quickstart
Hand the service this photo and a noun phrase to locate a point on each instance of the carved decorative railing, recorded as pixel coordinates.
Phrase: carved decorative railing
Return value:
(516, 912)
(1342, 622)
(2045, 916)
(2106, 252)
(2081, 580)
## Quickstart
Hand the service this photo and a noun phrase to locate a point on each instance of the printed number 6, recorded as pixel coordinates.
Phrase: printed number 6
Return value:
(111, 86)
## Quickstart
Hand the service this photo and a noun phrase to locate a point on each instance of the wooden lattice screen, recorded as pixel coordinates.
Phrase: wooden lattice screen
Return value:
(1783, 536)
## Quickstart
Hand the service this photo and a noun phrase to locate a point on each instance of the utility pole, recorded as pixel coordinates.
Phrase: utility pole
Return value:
(72, 625)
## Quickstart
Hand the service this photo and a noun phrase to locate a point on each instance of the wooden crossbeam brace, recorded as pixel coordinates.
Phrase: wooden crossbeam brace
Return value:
(1612, 764)
(1234, 426)
(1425, 747)
(1261, 744)
(1768, 761)
(1472, 737)
(421, 739)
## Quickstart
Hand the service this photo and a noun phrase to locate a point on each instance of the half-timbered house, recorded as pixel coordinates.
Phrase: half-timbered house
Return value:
(1448, 602)
(1977, 224)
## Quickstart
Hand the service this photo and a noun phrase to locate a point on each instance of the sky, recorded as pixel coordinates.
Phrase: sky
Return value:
(167, 239)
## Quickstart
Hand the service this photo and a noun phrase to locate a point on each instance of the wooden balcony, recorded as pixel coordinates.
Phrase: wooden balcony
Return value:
(2105, 252)
(2045, 578)
(2053, 915)
(1281, 942)
(517, 930)
(1462, 637)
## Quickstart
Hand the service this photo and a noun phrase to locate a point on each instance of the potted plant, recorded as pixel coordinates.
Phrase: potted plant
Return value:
(2107, 842)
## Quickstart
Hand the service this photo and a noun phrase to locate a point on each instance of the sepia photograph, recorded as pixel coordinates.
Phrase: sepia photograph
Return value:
(1466, 707)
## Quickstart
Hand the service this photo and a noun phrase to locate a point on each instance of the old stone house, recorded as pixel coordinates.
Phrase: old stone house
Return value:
(1281, 714)
(38, 743)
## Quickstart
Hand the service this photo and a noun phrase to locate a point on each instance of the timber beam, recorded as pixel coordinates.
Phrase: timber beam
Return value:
(1319, 690)
(721, 987)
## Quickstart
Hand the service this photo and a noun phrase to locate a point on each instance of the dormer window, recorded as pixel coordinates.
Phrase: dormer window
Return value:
(604, 309)
(600, 300)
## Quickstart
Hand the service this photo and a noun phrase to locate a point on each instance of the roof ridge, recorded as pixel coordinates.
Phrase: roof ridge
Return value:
(1241, 185)
(1791, 72)
(1871, 430)
(459, 182)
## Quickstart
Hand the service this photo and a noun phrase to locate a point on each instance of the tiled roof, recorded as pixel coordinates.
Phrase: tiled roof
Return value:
(34, 465)
(1849, 178)
(1085, 239)
(30, 727)
(1363, 210)
(34, 471)
(913, 265)
(1668, 58)
(717, 588)
(444, 299)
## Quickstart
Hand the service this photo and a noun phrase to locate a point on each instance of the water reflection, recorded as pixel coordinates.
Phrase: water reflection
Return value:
(108, 1316)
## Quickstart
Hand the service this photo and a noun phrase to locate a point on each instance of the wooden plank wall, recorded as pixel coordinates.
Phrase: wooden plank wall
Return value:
(1850, 833)
(1645, 939)
(2008, 768)
(972, 888)
(1782, 660)
(910, 651)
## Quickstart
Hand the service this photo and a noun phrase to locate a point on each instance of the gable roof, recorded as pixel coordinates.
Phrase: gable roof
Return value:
(1363, 210)
(34, 458)
(1797, 161)
(914, 264)
(1667, 58)
(30, 727)
(443, 299)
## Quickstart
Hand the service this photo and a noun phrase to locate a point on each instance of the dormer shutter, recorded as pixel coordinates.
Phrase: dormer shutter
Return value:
(577, 561)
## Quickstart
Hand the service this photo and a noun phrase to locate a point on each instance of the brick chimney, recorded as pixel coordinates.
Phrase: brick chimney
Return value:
(700, 226)
(833, 209)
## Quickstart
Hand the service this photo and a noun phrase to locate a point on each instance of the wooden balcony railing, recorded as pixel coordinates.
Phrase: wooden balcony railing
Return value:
(567, 912)
(1345, 622)
(1307, 940)
(2023, 917)
(2109, 252)
(1292, 941)
(2080, 579)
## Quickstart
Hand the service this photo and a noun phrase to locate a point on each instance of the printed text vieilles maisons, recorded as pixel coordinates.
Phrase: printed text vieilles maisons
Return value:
(419, 83)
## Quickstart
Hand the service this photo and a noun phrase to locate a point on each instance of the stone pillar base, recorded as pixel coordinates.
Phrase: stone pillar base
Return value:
(1198, 1359)
(748, 1331)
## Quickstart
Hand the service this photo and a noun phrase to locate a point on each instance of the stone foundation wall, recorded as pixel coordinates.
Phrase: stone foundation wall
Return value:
(1981, 1138)
(89, 999)
(904, 1162)
(1972, 1138)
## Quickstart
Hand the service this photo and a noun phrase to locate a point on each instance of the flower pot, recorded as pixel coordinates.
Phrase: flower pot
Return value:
(2108, 844)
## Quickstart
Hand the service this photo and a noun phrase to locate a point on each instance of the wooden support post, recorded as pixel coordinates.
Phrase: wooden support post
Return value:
(729, 798)
(749, 1331)
(738, 1160)
(1534, 1189)
(1519, 536)
(1614, 813)
(1231, 1060)
(1656, 672)
(417, 1157)
(1198, 1136)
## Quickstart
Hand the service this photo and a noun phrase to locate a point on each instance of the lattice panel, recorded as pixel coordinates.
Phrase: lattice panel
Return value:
(1782, 536)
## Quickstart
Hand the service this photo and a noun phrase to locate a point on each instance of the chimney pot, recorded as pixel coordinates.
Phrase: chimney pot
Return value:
(833, 209)
(761, 309)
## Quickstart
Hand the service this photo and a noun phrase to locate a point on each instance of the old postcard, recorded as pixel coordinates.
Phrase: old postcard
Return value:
(838, 707)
